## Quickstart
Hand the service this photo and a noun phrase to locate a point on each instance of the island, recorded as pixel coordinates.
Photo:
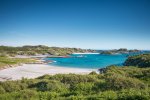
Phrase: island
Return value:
(120, 51)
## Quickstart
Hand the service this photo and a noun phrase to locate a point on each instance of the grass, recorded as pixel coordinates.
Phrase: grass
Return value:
(5, 61)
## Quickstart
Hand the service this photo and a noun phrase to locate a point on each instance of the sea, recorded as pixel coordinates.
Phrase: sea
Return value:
(90, 61)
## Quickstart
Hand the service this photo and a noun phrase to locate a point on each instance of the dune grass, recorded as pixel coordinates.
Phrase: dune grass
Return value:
(5, 61)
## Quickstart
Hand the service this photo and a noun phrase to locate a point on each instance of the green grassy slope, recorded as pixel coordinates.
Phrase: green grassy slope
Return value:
(5, 61)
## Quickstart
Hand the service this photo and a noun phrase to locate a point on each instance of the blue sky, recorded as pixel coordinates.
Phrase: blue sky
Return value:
(95, 24)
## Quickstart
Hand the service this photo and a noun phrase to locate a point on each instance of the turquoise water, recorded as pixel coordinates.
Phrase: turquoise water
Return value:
(91, 61)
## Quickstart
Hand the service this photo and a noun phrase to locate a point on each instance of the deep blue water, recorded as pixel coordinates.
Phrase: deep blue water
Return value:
(91, 61)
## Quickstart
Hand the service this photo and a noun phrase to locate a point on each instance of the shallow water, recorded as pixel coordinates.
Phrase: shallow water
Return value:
(90, 61)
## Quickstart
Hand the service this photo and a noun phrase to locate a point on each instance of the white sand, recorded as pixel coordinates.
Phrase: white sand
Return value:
(36, 70)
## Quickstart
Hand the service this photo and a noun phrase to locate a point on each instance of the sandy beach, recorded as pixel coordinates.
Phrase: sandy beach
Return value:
(36, 70)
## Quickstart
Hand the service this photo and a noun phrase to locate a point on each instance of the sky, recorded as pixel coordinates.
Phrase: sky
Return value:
(94, 24)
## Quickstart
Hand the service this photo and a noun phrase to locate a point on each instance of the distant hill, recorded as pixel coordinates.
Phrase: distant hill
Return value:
(119, 51)
(39, 49)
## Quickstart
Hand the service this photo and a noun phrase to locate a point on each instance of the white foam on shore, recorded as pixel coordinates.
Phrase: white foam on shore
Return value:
(36, 70)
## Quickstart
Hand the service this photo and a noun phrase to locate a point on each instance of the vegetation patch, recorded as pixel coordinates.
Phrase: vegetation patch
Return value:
(10, 62)
(142, 60)
(116, 83)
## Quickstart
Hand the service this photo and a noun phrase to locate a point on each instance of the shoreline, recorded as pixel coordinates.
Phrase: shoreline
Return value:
(36, 70)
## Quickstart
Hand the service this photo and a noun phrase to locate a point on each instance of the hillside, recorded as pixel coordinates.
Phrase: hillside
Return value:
(39, 49)
(138, 60)
(120, 51)
(6, 62)
(125, 83)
